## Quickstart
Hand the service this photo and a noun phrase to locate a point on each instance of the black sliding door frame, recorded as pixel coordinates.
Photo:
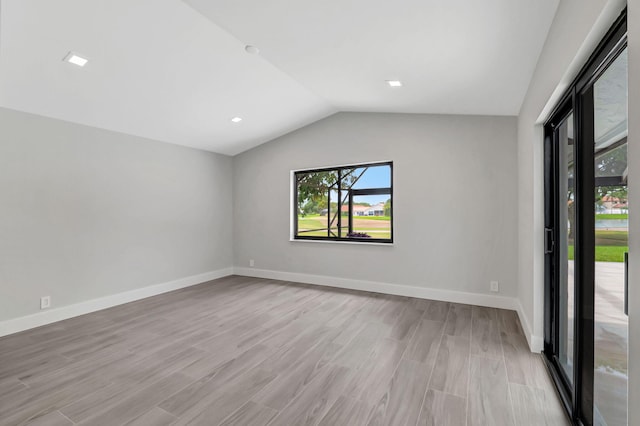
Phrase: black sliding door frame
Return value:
(576, 392)
(552, 253)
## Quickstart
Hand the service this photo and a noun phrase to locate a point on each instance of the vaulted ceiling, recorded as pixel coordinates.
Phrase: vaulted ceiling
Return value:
(177, 71)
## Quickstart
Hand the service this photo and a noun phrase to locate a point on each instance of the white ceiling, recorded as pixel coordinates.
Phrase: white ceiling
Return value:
(167, 71)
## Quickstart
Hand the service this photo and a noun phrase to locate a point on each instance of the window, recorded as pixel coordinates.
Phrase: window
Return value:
(346, 203)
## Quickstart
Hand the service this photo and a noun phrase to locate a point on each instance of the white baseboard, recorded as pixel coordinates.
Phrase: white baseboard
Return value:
(27, 322)
(536, 343)
(487, 300)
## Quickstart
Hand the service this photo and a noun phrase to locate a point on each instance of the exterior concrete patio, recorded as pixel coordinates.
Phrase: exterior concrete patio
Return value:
(611, 341)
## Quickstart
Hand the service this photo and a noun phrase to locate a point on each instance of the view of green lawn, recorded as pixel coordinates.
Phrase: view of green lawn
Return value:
(610, 246)
(611, 238)
(608, 216)
(375, 226)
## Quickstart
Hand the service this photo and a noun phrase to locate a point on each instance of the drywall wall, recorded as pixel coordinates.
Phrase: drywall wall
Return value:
(454, 202)
(87, 213)
(633, 23)
(576, 30)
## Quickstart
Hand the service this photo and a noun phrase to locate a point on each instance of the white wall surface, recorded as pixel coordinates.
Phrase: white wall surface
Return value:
(454, 201)
(634, 210)
(576, 30)
(86, 213)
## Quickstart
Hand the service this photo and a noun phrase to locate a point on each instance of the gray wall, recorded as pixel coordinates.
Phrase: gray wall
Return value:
(454, 200)
(86, 213)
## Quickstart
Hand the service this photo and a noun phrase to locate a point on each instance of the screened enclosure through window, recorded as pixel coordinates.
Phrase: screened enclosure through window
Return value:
(346, 203)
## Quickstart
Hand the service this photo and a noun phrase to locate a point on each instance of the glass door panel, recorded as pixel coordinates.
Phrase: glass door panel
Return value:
(611, 244)
(567, 220)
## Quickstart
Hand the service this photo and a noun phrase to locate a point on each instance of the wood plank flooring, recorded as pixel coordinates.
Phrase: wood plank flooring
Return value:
(246, 351)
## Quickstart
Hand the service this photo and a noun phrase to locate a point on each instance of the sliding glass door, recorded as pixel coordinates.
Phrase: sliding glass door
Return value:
(611, 243)
(586, 234)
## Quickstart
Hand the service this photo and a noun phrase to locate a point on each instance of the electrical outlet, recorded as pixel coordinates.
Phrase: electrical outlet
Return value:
(495, 287)
(45, 302)
(251, 263)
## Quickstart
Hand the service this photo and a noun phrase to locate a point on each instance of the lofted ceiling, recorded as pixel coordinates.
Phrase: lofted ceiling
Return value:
(177, 71)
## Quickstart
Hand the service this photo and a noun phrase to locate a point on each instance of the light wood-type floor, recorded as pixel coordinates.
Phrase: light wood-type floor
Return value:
(246, 351)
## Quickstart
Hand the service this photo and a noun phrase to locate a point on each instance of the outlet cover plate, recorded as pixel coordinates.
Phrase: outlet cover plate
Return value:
(45, 302)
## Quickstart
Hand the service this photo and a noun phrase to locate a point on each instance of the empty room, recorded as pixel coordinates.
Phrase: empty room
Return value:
(319, 213)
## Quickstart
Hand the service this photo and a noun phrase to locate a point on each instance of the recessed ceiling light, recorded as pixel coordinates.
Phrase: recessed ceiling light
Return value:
(394, 83)
(236, 119)
(75, 59)
(251, 49)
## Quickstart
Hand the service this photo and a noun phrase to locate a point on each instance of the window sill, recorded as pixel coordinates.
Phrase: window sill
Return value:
(362, 243)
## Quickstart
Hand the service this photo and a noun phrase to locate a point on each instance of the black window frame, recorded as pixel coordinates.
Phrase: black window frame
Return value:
(351, 194)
